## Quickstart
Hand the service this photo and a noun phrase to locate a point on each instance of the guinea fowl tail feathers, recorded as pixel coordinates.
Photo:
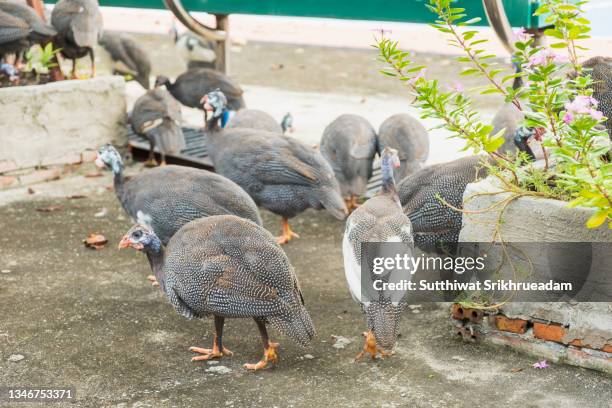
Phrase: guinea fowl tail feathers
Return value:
(332, 201)
(169, 137)
(297, 324)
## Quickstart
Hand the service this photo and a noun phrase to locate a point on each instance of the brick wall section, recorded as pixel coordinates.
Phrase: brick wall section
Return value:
(532, 335)
(12, 177)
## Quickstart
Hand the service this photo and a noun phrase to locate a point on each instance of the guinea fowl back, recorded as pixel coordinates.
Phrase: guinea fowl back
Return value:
(166, 198)
(254, 119)
(125, 50)
(40, 31)
(280, 173)
(434, 223)
(79, 21)
(13, 29)
(191, 85)
(349, 145)
(230, 267)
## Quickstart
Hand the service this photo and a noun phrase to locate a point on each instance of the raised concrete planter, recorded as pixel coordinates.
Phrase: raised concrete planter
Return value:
(55, 123)
(574, 333)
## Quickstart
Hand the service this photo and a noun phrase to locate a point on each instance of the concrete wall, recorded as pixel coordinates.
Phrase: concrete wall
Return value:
(55, 123)
(572, 332)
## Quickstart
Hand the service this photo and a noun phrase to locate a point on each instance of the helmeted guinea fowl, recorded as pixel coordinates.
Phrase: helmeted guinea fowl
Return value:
(192, 85)
(166, 198)
(282, 174)
(509, 117)
(40, 32)
(409, 137)
(14, 33)
(227, 267)
(79, 28)
(157, 115)
(196, 51)
(129, 57)
(435, 225)
(349, 145)
(378, 220)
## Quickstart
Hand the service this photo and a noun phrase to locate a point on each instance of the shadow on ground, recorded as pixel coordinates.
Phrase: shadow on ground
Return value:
(89, 319)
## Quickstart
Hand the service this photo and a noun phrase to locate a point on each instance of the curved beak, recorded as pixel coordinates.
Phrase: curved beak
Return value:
(125, 242)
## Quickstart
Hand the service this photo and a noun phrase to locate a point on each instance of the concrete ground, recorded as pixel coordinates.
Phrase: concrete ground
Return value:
(89, 319)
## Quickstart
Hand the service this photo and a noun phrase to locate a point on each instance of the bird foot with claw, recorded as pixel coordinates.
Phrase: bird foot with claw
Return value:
(285, 238)
(150, 163)
(370, 347)
(153, 280)
(270, 356)
(209, 354)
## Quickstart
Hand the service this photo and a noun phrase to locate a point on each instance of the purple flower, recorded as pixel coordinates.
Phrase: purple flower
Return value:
(521, 35)
(568, 117)
(595, 114)
(418, 76)
(541, 365)
(457, 87)
(545, 56)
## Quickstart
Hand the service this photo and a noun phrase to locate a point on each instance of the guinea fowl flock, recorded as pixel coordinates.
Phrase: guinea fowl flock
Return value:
(202, 232)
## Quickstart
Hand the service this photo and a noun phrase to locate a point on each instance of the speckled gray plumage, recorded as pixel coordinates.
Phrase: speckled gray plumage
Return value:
(409, 137)
(507, 117)
(436, 226)
(166, 198)
(14, 34)
(349, 146)
(192, 85)
(133, 58)
(39, 30)
(79, 26)
(601, 73)
(254, 119)
(281, 173)
(157, 115)
(379, 220)
(227, 266)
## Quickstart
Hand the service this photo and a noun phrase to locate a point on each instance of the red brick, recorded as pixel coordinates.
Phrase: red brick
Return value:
(510, 325)
(39, 176)
(550, 332)
(457, 311)
(7, 181)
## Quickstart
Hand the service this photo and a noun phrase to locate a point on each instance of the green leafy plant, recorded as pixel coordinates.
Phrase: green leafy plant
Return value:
(41, 59)
(559, 106)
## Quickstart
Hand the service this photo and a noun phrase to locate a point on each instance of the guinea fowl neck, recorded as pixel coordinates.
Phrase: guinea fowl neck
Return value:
(155, 255)
(119, 180)
(388, 181)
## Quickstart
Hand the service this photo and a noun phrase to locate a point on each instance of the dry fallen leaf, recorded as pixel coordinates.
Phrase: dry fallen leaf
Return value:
(50, 208)
(95, 241)
(93, 174)
(275, 67)
(516, 369)
(31, 190)
(76, 197)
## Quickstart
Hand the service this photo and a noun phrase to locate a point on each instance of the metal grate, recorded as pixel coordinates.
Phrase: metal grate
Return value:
(195, 154)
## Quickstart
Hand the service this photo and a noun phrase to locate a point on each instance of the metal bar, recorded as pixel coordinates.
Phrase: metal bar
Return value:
(222, 51)
(213, 34)
(494, 9)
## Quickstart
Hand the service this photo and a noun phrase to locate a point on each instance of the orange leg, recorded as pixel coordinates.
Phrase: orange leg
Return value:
(287, 235)
(270, 354)
(217, 350)
(370, 347)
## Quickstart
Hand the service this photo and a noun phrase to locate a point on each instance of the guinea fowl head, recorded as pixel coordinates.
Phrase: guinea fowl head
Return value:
(383, 319)
(141, 238)
(287, 123)
(525, 139)
(214, 102)
(161, 80)
(109, 157)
